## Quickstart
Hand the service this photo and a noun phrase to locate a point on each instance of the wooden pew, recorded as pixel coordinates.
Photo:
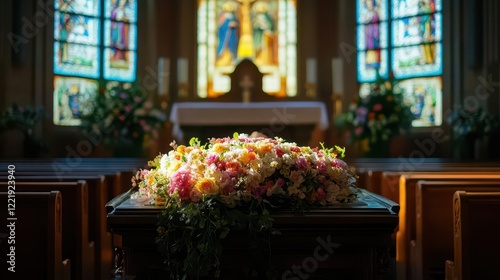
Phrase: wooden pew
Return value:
(406, 232)
(37, 236)
(96, 219)
(389, 180)
(117, 175)
(434, 239)
(370, 170)
(76, 244)
(476, 231)
(114, 180)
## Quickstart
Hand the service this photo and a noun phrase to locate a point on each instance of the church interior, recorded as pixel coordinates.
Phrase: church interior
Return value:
(91, 90)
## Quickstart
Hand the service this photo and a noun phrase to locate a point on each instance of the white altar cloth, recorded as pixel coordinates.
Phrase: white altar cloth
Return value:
(253, 113)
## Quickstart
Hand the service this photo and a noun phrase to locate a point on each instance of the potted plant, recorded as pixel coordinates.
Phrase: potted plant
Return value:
(373, 120)
(23, 120)
(471, 128)
(126, 117)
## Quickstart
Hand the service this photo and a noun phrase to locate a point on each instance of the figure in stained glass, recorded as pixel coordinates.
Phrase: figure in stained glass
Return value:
(119, 32)
(424, 97)
(228, 34)
(263, 34)
(372, 34)
(232, 30)
(85, 7)
(72, 99)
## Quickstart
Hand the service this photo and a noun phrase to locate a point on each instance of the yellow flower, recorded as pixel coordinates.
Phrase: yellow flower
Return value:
(246, 157)
(207, 186)
(218, 148)
(181, 149)
(264, 148)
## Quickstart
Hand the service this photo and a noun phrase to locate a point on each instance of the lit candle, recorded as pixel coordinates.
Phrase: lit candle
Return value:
(163, 75)
(337, 76)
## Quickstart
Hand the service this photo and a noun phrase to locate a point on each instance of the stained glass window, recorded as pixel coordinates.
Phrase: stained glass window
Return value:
(120, 36)
(262, 31)
(372, 40)
(424, 96)
(403, 37)
(93, 39)
(72, 99)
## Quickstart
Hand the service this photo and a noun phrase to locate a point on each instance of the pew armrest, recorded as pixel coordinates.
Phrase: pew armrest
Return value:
(113, 203)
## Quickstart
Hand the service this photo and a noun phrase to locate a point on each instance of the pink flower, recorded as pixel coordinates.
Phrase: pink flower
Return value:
(212, 158)
(320, 194)
(181, 183)
(339, 164)
(377, 107)
(321, 166)
(280, 182)
(302, 163)
(358, 130)
(259, 191)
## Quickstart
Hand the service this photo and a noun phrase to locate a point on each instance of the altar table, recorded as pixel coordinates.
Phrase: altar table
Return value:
(303, 121)
(335, 242)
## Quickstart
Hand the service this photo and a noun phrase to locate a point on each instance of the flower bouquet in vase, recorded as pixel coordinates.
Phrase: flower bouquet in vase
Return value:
(375, 118)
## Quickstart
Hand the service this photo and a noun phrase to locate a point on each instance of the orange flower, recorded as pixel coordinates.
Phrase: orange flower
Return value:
(207, 186)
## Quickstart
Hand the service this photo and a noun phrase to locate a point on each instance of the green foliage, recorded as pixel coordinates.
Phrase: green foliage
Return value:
(24, 119)
(471, 122)
(191, 234)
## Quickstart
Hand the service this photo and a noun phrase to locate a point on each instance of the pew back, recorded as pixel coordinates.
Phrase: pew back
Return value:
(97, 229)
(476, 231)
(406, 232)
(34, 234)
(434, 239)
(75, 241)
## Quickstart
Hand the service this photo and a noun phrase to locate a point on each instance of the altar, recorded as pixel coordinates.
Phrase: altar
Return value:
(303, 122)
(336, 242)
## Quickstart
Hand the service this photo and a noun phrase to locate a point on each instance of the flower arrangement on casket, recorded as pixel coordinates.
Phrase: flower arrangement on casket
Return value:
(234, 184)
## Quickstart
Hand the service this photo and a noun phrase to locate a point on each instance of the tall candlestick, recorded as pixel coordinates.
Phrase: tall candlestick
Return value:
(163, 76)
(337, 76)
(311, 70)
(182, 76)
(182, 70)
(311, 77)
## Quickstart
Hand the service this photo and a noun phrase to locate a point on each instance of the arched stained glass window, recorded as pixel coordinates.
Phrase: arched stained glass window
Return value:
(93, 40)
(264, 31)
(403, 37)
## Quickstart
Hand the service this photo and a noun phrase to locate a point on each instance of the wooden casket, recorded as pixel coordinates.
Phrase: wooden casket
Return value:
(336, 242)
